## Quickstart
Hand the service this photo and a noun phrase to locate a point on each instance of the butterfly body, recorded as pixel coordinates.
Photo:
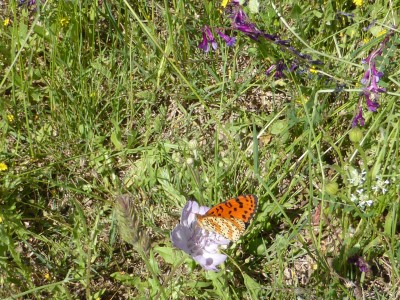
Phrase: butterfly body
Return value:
(230, 218)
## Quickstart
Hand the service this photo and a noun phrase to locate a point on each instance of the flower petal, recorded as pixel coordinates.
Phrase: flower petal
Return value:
(210, 261)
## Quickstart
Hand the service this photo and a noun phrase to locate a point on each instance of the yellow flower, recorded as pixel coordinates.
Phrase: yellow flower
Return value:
(1, 219)
(10, 118)
(313, 70)
(302, 100)
(358, 2)
(382, 32)
(224, 3)
(3, 167)
(47, 276)
(64, 22)
(366, 40)
(6, 22)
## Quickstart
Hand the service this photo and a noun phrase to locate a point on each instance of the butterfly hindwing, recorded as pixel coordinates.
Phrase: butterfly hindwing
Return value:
(231, 217)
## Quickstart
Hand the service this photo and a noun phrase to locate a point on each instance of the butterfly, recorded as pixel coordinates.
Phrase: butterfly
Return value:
(231, 217)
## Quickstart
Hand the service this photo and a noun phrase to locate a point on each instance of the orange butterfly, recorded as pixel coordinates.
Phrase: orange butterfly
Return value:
(231, 217)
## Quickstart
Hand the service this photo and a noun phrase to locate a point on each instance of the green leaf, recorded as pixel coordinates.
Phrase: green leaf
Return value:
(390, 223)
(126, 278)
(252, 286)
(317, 13)
(168, 254)
(116, 140)
(254, 6)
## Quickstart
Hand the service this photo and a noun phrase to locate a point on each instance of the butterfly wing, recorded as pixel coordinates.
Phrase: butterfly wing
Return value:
(231, 229)
(242, 207)
(231, 217)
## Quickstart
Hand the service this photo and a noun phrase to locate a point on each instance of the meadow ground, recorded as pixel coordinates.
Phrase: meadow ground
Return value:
(112, 117)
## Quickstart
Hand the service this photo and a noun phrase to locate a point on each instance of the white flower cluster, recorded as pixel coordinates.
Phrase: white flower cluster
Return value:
(362, 198)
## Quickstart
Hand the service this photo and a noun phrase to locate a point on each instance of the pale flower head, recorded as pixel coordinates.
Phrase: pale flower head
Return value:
(200, 244)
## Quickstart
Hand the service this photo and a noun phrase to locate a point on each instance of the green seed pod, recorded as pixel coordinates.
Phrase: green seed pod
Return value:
(355, 135)
(332, 188)
(261, 249)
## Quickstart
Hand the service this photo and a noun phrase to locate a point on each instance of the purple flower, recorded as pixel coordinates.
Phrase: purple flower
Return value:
(370, 25)
(358, 119)
(279, 67)
(371, 104)
(370, 80)
(360, 263)
(204, 43)
(27, 2)
(230, 41)
(200, 244)
(241, 22)
(342, 13)
(208, 38)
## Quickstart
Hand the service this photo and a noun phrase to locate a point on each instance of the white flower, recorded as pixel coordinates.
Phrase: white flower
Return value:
(200, 244)
(353, 198)
(360, 191)
(355, 178)
(380, 185)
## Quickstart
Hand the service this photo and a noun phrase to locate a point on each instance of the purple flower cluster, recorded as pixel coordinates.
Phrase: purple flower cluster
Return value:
(362, 265)
(26, 2)
(200, 244)
(371, 90)
(241, 22)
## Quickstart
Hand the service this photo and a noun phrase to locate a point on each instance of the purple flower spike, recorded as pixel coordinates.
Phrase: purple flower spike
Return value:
(359, 118)
(200, 244)
(371, 90)
(230, 41)
(241, 22)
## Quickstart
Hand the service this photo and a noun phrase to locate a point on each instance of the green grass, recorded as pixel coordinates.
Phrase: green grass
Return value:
(100, 100)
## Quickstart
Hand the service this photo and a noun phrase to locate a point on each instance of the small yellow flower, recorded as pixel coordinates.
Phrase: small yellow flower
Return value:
(47, 276)
(382, 32)
(358, 2)
(92, 95)
(3, 167)
(302, 100)
(64, 22)
(366, 40)
(1, 219)
(224, 3)
(10, 118)
(313, 70)
(6, 22)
